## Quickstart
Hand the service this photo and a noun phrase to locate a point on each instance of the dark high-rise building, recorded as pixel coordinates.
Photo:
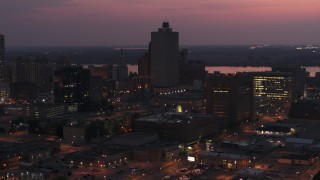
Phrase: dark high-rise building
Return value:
(144, 64)
(18, 69)
(190, 70)
(72, 86)
(120, 71)
(2, 58)
(34, 70)
(105, 71)
(229, 96)
(60, 63)
(23, 91)
(313, 87)
(8, 72)
(96, 88)
(122, 67)
(164, 57)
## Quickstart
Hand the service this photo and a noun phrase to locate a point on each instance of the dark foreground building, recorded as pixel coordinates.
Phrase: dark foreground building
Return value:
(229, 96)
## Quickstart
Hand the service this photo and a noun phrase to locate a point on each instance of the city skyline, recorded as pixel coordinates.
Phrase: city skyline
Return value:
(100, 23)
(193, 105)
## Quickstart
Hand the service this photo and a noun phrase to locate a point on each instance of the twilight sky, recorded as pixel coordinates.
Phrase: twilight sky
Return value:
(129, 22)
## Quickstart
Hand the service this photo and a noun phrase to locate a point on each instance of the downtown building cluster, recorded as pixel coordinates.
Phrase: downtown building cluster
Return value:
(172, 109)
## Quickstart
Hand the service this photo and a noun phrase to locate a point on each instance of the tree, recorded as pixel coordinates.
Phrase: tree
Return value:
(316, 176)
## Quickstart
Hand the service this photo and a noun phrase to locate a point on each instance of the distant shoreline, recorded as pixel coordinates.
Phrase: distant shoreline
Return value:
(214, 55)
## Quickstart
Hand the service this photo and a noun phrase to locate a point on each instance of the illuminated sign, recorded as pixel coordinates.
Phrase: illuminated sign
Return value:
(191, 159)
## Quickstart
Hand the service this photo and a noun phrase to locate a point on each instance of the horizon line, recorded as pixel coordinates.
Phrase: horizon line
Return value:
(146, 46)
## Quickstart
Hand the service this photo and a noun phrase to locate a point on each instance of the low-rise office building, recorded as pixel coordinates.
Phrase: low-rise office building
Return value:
(156, 152)
(99, 157)
(188, 101)
(298, 159)
(225, 160)
(74, 133)
(44, 111)
(146, 147)
(278, 129)
(173, 126)
(251, 173)
(13, 154)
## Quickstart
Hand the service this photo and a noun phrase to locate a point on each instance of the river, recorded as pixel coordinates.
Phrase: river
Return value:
(233, 69)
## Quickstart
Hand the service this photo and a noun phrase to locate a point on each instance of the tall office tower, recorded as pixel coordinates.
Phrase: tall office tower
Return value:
(2, 68)
(38, 71)
(122, 67)
(34, 70)
(144, 63)
(18, 70)
(164, 57)
(230, 97)
(115, 72)
(72, 86)
(120, 71)
(190, 70)
(299, 76)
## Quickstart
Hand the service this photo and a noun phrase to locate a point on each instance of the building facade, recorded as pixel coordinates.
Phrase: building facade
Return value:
(299, 76)
(229, 96)
(144, 64)
(272, 93)
(4, 92)
(2, 58)
(120, 71)
(172, 126)
(72, 86)
(23, 91)
(164, 57)
(34, 70)
(44, 111)
(105, 71)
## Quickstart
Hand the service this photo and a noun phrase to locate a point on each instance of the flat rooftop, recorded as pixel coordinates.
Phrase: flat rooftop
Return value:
(189, 95)
(299, 140)
(239, 143)
(135, 139)
(136, 136)
(282, 124)
(224, 155)
(174, 117)
(250, 171)
(160, 144)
